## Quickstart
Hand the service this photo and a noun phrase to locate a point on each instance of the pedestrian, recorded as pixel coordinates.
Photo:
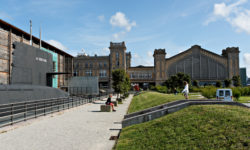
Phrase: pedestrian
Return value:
(175, 91)
(185, 91)
(108, 102)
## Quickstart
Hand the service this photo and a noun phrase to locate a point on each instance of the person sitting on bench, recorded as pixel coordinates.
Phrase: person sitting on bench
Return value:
(108, 102)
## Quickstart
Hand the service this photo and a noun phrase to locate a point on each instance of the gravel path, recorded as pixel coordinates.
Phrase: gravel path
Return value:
(80, 128)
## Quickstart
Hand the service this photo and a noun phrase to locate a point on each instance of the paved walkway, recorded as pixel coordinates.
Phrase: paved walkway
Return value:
(80, 128)
(248, 104)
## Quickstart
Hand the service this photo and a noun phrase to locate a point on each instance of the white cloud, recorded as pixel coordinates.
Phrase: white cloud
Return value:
(120, 20)
(150, 54)
(141, 60)
(118, 35)
(246, 59)
(234, 14)
(101, 18)
(135, 55)
(57, 44)
(104, 51)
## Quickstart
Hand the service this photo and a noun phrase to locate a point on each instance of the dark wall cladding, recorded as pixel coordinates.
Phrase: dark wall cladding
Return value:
(30, 65)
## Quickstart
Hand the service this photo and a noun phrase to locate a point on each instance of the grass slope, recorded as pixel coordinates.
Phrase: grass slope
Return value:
(150, 99)
(244, 99)
(195, 127)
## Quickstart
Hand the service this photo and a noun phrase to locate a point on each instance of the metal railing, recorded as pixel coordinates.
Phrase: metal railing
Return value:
(22, 111)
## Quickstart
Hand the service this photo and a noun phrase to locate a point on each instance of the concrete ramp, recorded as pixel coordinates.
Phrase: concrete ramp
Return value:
(161, 110)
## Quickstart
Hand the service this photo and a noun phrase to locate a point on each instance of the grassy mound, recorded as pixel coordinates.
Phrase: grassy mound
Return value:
(195, 127)
(150, 99)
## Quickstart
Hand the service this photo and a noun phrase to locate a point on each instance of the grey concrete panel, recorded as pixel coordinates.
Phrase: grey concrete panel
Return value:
(30, 65)
(21, 93)
(83, 86)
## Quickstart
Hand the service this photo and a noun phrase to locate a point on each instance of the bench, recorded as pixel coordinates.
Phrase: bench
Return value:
(115, 103)
(106, 108)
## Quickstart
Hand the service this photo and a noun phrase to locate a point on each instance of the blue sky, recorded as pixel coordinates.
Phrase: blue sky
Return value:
(89, 25)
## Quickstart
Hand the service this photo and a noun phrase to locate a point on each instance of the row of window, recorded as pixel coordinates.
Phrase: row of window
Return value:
(90, 65)
(141, 76)
(102, 73)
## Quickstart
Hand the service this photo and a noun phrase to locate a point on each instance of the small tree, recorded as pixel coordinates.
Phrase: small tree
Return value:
(119, 77)
(236, 81)
(126, 84)
(196, 83)
(176, 81)
(227, 82)
(218, 84)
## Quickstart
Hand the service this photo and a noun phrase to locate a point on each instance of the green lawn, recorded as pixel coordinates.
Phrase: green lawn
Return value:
(244, 99)
(150, 99)
(195, 127)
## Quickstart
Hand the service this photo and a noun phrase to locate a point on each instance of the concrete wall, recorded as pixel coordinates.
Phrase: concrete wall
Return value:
(83, 86)
(21, 93)
(30, 65)
(161, 110)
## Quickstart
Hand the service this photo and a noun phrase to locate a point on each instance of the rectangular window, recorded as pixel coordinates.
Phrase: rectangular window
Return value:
(105, 64)
(227, 93)
(221, 93)
(100, 65)
(88, 73)
(91, 65)
(117, 59)
(54, 66)
(102, 73)
(86, 65)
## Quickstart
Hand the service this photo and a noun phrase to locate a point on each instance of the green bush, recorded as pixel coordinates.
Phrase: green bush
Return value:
(151, 87)
(218, 84)
(209, 92)
(195, 89)
(236, 93)
(161, 89)
(126, 95)
(244, 91)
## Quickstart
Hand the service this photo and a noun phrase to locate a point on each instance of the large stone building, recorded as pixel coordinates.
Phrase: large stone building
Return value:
(9, 34)
(200, 64)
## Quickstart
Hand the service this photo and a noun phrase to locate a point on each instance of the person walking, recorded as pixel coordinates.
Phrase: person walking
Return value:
(108, 102)
(185, 91)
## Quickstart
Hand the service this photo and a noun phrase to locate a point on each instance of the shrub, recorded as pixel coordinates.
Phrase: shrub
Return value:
(227, 82)
(161, 89)
(209, 92)
(126, 95)
(151, 87)
(196, 83)
(194, 89)
(236, 93)
(218, 84)
(236, 81)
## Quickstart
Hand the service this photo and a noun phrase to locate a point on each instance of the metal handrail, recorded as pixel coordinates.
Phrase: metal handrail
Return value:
(22, 111)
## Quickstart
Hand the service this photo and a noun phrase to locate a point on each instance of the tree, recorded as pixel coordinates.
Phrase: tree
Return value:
(196, 83)
(126, 84)
(227, 82)
(218, 83)
(121, 82)
(176, 81)
(236, 81)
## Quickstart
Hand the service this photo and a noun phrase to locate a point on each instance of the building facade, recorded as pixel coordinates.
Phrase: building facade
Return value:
(243, 76)
(200, 64)
(62, 61)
